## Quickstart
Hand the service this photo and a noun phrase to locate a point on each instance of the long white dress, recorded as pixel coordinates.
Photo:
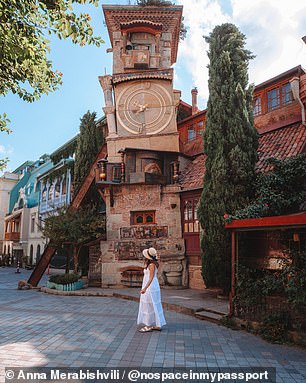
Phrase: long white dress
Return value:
(150, 308)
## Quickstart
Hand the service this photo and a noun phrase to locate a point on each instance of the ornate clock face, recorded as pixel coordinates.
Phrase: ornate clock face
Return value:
(144, 108)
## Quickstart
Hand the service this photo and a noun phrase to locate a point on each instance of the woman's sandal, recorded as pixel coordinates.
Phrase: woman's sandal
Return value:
(146, 329)
(156, 328)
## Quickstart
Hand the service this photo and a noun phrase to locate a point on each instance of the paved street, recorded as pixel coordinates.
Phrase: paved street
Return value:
(38, 329)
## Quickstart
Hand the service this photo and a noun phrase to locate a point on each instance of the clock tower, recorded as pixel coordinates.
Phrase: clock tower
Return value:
(140, 103)
(138, 177)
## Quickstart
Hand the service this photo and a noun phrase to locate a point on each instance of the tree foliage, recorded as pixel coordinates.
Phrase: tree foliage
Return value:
(280, 191)
(74, 227)
(89, 143)
(25, 68)
(230, 146)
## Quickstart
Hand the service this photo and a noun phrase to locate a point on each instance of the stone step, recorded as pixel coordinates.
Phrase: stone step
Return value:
(209, 316)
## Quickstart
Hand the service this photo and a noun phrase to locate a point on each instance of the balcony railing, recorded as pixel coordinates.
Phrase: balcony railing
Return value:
(52, 204)
(14, 236)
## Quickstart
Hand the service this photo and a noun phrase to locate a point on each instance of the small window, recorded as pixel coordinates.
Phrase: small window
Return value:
(191, 222)
(200, 128)
(143, 217)
(287, 97)
(273, 99)
(33, 223)
(257, 106)
(191, 134)
(117, 174)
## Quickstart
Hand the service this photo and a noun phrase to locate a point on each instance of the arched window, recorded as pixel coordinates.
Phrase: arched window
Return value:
(31, 255)
(143, 217)
(38, 253)
(4, 250)
(64, 186)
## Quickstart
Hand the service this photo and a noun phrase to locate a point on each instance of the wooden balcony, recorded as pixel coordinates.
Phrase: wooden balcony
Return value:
(14, 236)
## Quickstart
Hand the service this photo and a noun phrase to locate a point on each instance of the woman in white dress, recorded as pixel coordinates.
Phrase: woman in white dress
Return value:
(150, 312)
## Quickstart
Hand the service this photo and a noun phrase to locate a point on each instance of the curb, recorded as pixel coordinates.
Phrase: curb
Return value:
(77, 293)
(167, 306)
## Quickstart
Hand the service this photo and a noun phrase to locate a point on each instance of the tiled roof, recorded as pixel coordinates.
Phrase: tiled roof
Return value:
(281, 143)
(166, 74)
(192, 148)
(192, 176)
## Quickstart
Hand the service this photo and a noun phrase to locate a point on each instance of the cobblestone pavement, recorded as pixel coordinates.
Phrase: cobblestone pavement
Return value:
(47, 330)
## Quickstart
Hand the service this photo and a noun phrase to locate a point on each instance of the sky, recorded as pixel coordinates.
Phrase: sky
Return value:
(273, 30)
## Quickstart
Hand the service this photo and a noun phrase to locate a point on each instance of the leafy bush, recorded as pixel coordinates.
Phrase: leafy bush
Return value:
(64, 279)
(274, 327)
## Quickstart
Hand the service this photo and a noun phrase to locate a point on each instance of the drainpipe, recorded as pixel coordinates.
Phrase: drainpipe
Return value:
(295, 87)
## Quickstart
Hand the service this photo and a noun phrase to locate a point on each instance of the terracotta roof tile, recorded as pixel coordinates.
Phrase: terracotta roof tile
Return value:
(192, 148)
(281, 143)
(192, 176)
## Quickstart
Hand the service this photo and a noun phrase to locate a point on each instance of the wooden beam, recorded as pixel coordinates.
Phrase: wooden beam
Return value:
(233, 271)
(41, 266)
(280, 221)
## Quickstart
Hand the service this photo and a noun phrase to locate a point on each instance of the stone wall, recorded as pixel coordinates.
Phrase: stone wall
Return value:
(94, 271)
(125, 242)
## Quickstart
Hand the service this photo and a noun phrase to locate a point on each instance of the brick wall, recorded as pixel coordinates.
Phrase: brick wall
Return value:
(126, 241)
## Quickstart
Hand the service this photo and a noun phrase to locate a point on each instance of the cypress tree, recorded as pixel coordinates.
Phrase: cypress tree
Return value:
(89, 143)
(230, 146)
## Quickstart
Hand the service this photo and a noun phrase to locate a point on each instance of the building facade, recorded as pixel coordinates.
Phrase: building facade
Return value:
(279, 116)
(7, 182)
(22, 234)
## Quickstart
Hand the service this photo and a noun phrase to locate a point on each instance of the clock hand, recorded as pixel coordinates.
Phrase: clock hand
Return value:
(142, 108)
(139, 107)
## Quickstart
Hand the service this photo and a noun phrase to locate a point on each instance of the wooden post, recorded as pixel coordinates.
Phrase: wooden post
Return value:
(233, 269)
(122, 167)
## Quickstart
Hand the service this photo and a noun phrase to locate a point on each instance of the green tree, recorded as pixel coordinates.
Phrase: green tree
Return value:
(3, 128)
(74, 227)
(89, 143)
(25, 68)
(230, 146)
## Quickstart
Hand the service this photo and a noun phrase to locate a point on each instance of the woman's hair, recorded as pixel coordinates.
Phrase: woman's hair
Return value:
(149, 261)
